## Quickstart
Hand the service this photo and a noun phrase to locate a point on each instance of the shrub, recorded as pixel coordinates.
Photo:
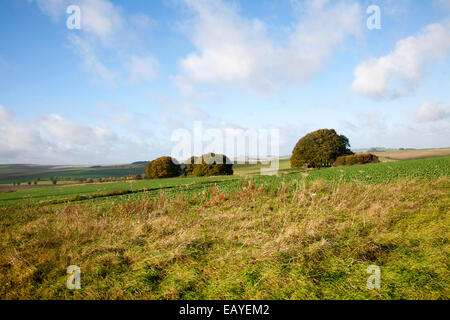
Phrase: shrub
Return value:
(319, 149)
(209, 164)
(356, 159)
(164, 167)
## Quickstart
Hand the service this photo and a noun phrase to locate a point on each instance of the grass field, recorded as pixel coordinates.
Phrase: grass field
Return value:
(25, 173)
(255, 169)
(305, 235)
(373, 173)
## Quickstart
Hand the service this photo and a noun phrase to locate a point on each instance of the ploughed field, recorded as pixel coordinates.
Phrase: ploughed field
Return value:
(298, 235)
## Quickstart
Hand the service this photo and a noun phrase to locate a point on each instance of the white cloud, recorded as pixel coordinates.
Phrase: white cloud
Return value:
(5, 115)
(68, 134)
(101, 18)
(141, 69)
(235, 51)
(321, 29)
(398, 72)
(432, 112)
(53, 139)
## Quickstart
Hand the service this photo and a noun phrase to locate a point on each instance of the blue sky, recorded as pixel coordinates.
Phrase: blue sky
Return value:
(115, 90)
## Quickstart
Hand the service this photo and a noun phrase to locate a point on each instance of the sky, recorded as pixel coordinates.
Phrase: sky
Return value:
(116, 89)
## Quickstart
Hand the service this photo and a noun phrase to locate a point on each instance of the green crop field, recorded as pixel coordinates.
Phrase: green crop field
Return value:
(68, 193)
(371, 173)
(25, 173)
(296, 235)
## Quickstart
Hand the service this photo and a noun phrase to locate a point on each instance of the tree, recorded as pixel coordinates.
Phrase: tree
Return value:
(164, 167)
(350, 160)
(319, 149)
(209, 164)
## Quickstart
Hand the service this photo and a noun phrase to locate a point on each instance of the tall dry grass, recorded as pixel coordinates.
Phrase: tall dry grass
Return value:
(295, 241)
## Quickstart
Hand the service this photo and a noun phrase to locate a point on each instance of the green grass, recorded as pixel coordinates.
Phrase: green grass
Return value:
(297, 240)
(68, 193)
(41, 183)
(24, 173)
(384, 172)
(431, 168)
(298, 235)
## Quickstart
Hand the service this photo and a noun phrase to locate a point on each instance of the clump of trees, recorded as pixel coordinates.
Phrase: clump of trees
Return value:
(356, 159)
(320, 149)
(164, 167)
(209, 164)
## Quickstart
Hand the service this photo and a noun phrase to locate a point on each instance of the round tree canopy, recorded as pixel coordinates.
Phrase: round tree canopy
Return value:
(319, 149)
(209, 164)
(164, 167)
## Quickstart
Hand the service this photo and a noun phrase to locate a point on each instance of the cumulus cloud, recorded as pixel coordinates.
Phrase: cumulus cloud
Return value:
(68, 134)
(55, 140)
(101, 18)
(432, 112)
(236, 51)
(321, 29)
(398, 72)
(52, 138)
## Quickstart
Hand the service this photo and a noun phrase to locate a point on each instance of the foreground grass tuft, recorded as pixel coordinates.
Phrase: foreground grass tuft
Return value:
(299, 240)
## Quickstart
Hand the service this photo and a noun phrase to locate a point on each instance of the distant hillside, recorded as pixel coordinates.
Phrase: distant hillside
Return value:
(23, 173)
(139, 163)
